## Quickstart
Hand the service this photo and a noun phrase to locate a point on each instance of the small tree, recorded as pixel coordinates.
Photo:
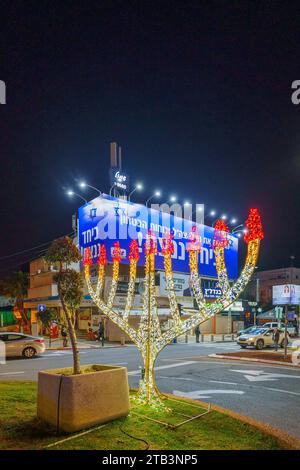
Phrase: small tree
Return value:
(47, 317)
(70, 286)
(15, 287)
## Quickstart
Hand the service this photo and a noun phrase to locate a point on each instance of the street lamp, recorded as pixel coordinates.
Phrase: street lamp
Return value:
(238, 228)
(223, 217)
(112, 187)
(83, 184)
(171, 199)
(138, 187)
(72, 193)
(156, 194)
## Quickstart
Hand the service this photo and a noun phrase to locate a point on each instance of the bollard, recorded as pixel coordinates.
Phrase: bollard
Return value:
(122, 340)
(223, 337)
(202, 338)
(211, 337)
(186, 338)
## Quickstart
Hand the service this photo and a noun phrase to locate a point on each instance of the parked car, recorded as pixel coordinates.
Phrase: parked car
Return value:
(246, 331)
(291, 327)
(260, 338)
(19, 344)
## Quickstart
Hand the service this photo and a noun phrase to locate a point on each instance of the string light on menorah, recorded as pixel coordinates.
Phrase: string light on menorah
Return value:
(148, 336)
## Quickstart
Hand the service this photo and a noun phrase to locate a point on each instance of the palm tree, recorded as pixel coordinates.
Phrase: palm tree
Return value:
(15, 287)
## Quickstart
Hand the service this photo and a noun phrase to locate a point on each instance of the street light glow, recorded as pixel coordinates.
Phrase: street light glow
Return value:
(224, 217)
(173, 198)
(233, 221)
(139, 186)
(72, 193)
(186, 203)
(157, 193)
(83, 184)
(212, 213)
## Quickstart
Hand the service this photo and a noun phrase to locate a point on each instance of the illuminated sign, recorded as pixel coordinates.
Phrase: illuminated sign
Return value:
(105, 220)
(287, 294)
(119, 179)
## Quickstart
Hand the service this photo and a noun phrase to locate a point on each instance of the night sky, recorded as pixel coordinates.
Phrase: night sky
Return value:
(198, 94)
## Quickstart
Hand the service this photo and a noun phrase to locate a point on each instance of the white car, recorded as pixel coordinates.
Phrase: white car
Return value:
(19, 344)
(291, 329)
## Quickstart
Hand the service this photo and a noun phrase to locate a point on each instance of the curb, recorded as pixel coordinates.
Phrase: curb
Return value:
(249, 359)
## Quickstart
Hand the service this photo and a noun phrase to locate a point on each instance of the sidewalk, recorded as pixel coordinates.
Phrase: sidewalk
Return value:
(57, 344)
(208, 338)
(265, 357)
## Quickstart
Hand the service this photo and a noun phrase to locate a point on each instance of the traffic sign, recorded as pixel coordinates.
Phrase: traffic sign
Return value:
(41, 307)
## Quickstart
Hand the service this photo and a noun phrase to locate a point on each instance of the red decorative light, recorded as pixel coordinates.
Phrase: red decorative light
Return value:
(220, 234)
(102, 256)
(134, 251)
(167, 244)
(116, 254)
(194, 243)
(254, 229)
(87, 258)
(150, 244)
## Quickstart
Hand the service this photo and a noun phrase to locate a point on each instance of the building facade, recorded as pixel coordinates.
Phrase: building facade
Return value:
(260, 288)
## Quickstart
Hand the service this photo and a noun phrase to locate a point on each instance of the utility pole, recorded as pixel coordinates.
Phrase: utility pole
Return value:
(285, 331)
(229, 326)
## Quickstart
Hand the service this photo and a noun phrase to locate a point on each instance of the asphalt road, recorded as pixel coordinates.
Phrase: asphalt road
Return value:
(268, 393)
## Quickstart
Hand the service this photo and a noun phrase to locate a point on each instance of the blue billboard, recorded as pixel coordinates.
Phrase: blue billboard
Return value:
(105, 220)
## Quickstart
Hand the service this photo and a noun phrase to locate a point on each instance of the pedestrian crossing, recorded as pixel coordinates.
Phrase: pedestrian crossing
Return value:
(60, 353)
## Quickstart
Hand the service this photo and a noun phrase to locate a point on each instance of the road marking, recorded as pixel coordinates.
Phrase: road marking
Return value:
(199, 360)
(11, 373)
(61, 353)
(175, 378)
(137, 372)
(282, 391)
(220, 382)
(261, 376)
(199, 394)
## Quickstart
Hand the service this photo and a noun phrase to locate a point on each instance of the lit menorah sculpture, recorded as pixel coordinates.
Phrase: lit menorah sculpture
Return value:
(149, 338)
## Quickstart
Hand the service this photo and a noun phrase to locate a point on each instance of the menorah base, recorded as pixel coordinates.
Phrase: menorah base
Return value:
(152, 397)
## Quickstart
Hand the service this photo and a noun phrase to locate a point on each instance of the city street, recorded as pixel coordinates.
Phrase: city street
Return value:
(270, 394)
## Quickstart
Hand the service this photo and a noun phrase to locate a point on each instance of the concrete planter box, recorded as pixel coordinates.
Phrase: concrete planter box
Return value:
(74, 402)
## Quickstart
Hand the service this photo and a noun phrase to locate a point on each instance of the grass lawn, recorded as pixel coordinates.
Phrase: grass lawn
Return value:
(20, 429)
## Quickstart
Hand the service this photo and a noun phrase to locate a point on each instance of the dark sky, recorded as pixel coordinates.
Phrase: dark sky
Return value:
(198, 94)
